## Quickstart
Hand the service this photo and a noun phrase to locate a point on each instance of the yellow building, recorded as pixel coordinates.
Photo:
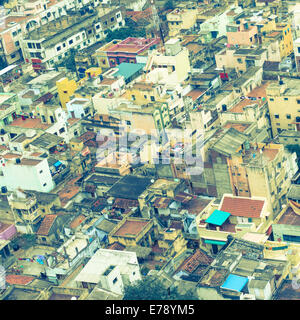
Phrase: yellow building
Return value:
(134, 232)
(284, 105)
(151, 118)
(143, 93)
(65, 89)
(286, 46)
(180, 19)
(170, 244)
(279, 42)
(26, 210)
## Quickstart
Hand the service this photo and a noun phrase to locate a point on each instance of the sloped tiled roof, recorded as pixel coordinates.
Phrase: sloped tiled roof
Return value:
(46, 224)
(195, 260)
(18, 279)
(242, 207)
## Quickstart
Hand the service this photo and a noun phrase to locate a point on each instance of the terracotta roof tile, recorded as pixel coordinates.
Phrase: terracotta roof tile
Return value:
(77, 221)
(46, 224)
(131, 228)
(195, 260)
(242, 207)
(18, 279)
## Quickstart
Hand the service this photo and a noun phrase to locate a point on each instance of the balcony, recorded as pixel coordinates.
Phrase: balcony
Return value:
(6, 110)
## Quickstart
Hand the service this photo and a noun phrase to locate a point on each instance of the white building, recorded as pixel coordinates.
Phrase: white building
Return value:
(27, 173)
(50, 43)
(79, 108)
(110, 269)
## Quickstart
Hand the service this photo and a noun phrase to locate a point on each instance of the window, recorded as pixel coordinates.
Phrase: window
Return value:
(71, 41)
(14, 33)
(41, 171)
(112, 19)
(58, 48)
(13, 56)
(291, 238)
(128, 122)
(276, 116)
(286, 99)
(29, 45)
(62, 130)
(288, 116)
(271, 99)
(38, 45)
(115, 280)
(44, 185)
(152, 98)
(133, 97)
(17, 43)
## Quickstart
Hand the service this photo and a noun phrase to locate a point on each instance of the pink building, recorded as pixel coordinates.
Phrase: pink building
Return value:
(128, 49)
(242, 34)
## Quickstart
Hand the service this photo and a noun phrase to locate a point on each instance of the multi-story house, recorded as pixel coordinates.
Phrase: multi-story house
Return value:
(50, 43)
(284, 105)
(179, 19)
(27, 213)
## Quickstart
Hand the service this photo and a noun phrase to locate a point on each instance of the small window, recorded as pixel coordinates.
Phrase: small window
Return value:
(115, 280)
(44, 185)
(271, 99)
(71, 41)
(276, 116)
(288, 116)
(41, 171)
(58, 48)
(286, 99)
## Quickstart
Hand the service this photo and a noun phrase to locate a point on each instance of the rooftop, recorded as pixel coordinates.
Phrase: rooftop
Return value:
(132, 227)
(29, 123)
(290, 218)
(243, 207)
(46, 224)
(129, 187)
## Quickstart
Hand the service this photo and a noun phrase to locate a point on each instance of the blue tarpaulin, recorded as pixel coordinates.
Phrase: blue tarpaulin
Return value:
(57, 164)
(235, 283)
(218, 217)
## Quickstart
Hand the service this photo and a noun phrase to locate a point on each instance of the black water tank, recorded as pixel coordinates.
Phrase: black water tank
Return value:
(3, 189)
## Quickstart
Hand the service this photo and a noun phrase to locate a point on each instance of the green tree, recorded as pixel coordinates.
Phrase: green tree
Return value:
(124, 33)
(169, 5)
(152, 288)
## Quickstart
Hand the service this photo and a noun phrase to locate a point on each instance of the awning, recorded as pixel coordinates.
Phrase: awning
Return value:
(218, 217)
(218, 242)
(235, 283)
